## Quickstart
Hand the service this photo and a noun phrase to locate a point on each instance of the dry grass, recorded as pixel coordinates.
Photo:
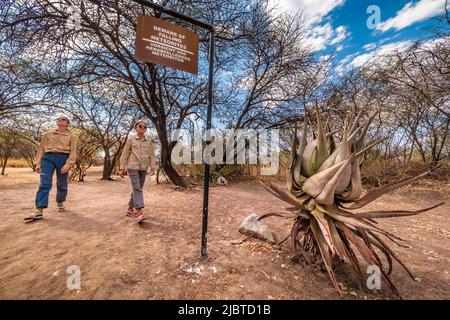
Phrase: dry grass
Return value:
(17, 163)
(381, 172)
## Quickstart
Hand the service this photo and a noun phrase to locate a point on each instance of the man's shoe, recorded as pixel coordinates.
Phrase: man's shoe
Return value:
(36, 215)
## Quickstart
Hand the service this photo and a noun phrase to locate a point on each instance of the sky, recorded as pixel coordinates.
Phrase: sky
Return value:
(349, 28)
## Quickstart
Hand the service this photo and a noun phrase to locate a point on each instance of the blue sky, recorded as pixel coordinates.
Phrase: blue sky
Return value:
(341, 26)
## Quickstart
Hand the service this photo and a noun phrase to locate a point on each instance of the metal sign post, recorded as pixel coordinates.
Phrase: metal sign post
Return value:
(210, 28)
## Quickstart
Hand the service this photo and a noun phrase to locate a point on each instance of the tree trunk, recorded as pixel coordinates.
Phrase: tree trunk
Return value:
(166, 151)
(173, 175)
(107, 169)
(80, 173)
(4, 162)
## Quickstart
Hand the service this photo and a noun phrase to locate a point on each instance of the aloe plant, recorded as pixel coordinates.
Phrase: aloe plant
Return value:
(324, 183)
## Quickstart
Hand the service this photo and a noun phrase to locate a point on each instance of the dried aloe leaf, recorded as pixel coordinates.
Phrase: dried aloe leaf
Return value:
(375, 194)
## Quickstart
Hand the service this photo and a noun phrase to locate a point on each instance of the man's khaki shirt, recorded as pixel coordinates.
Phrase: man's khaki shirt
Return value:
(60, 142)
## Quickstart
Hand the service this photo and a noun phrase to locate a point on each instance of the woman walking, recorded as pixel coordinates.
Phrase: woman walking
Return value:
(138, 154)
(57, 152)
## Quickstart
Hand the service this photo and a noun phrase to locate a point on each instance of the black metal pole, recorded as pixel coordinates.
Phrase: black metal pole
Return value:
(175, 14)
(209, 27)
(208, 141)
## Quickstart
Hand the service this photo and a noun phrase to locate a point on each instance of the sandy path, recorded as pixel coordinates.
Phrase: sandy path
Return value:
(119, 259)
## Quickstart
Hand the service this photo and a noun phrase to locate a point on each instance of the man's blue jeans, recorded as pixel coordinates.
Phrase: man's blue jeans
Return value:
(51, 162)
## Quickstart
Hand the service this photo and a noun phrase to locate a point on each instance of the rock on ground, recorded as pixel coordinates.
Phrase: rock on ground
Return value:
(252, 227)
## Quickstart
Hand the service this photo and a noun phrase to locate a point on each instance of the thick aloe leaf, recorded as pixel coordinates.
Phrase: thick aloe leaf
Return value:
(355, 122)
(280, 194)
(326, 197)
(322, 147)
(278, 214)
(325, 228)
(392, 253)
(339, 245)
(297, 173)
(309, 159)
(315, 184)
(368, 255)
(355, 189)
(299, 230)
(350, 220)
(394, 213)
(362, 137)
(325, 253)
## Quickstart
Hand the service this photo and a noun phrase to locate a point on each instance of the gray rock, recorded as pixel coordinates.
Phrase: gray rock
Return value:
(252, 227)
(222, 181)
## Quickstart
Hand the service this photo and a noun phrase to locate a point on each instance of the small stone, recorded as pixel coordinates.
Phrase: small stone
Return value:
(221, 181)
(251, 226)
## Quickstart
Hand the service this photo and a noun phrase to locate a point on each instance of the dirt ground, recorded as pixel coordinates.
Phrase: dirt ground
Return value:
(119, 259)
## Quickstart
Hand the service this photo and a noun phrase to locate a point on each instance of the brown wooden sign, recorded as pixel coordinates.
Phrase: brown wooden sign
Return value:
(161, 42)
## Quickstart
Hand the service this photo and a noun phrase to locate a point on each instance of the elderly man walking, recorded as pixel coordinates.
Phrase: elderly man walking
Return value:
(57, 152)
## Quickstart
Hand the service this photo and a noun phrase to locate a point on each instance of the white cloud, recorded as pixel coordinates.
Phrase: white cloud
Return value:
(362, 59)
(344, 64)
(341, 33)
(319, 35)
(357, 60)
(412, 13)
(314, 10)
(370, 46)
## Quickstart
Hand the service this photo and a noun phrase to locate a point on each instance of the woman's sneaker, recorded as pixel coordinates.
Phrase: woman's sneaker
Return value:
(130, 212)
(60, 207)
(140, 217)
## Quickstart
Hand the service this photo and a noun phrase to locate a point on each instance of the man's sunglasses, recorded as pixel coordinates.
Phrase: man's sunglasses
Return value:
(142, 127)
